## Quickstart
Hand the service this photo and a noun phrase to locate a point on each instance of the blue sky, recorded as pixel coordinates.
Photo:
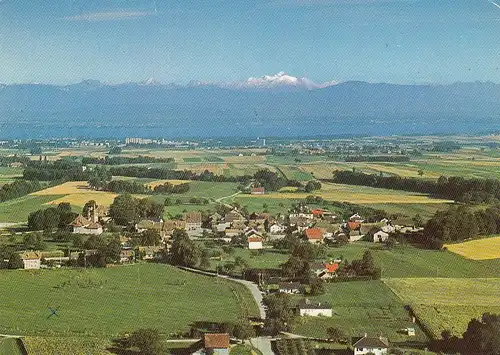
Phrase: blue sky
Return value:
(397, 41)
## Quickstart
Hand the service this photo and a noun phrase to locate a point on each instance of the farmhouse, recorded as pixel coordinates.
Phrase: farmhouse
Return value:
(193, 221)
(233, 216)
(308, 308)
(380, 236)
(31, 260)
(314, 235)
(82, 225)
(325, 271)
(214, 344)
(255, 242)
(366, 345)
(257, 191)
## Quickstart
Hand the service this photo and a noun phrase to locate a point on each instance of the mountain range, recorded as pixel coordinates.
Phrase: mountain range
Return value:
(274, 105)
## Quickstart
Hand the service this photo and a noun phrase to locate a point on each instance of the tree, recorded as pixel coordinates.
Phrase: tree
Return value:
(418, 221)
(279, 313)
(150, 237)
(15, 261)
(124, 209)
(312, 185)
(243, 330)
(483, 337)
(390, 242)
(335, 334)
(148, 341)
(317, 286)
(183, 250)
(89, 207)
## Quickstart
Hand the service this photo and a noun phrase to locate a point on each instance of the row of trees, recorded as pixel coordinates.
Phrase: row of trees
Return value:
(482, 337)
(18, 188)
(51, 218)
(461, 222)
(378, 158)
(453, 188)
(124, 160)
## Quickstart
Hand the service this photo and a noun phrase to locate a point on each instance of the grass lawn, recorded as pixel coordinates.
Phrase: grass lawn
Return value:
(10, 346)
(408, 261)
(480, 249)
(175, 210)
(17, 210)
(448, 303)
(360, 307)
(108, 302)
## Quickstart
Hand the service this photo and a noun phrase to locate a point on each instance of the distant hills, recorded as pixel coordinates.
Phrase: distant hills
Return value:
(278, 105)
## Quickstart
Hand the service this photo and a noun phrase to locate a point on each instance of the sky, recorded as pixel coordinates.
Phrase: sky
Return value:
(176, 41)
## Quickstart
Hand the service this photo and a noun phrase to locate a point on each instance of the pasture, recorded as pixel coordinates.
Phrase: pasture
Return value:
(17, 210)
(480, 249)
(448, 303)
(107, 302)
(410, 262)
(360, 307)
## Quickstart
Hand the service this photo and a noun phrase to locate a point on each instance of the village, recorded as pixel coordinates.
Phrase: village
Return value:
(255, 232)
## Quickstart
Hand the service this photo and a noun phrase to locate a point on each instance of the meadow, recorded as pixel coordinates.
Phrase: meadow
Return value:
(410, 262)
(480, 249)
(360, 307)
(358, 195)
(448, 303)
(17, 210)
(107, 302)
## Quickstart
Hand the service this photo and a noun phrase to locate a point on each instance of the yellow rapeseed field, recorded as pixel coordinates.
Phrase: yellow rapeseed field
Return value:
(480, 249)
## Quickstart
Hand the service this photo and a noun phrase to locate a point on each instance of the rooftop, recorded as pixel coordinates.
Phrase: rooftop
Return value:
(372, 342)
(216, 341)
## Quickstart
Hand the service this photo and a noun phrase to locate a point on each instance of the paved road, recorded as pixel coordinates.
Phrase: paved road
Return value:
(254, 290)
(263, 344)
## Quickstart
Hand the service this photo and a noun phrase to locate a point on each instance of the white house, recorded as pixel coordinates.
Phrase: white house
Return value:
(356, 218)
(380, 237)
(31, 260)
(366, 345)
(276, 228)
(320, 309)
(290, 287)
(254, 242)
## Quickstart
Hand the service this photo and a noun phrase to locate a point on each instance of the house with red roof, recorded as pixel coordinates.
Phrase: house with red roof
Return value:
(314, 235)
(255, 242)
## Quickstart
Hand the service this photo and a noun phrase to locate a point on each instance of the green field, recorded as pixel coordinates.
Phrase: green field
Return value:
(107, 302)
(448, 304)
(406, 211)
(411, 262)
(360, 307)
(10, 346)
(17, 210)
